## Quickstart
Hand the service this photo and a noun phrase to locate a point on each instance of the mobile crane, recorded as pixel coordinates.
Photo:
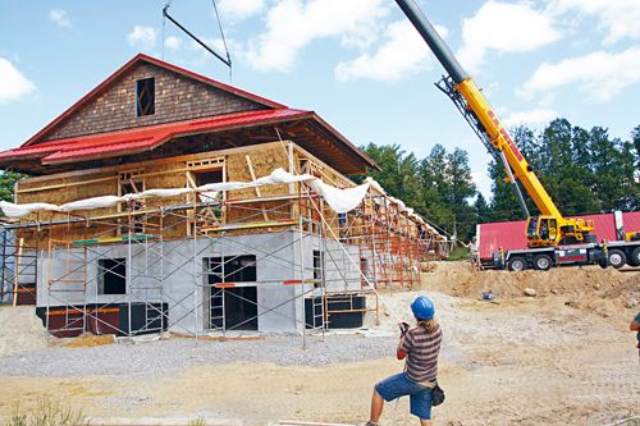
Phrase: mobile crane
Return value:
(550, 231)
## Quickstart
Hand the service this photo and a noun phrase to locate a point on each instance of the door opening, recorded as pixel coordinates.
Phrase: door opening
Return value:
(234, 308)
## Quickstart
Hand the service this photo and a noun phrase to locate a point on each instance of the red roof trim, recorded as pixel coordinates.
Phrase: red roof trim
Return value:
(126, 142)
(162, 64)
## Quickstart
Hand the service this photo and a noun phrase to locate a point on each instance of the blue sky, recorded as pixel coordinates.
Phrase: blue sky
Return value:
(358, 63)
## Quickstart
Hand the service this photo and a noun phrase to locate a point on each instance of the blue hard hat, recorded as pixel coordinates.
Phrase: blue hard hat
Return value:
(423, 308)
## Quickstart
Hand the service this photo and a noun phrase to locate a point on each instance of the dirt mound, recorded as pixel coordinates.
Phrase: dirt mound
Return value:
(457, 279)
(20, 330)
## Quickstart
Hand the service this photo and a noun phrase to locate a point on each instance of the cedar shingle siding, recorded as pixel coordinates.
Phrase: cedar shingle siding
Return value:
(176, 98)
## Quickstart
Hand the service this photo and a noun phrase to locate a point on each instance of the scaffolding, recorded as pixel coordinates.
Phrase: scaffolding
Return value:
(181, 267)
(18, 269)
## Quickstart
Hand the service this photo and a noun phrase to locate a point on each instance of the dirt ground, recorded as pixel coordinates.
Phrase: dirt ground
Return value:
(564, 357)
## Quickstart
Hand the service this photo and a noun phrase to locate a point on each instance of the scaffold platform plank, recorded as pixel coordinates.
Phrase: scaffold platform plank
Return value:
(112, 240)
(251, 225)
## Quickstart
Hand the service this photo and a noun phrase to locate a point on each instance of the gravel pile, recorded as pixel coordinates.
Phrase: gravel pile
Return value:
(161, 356)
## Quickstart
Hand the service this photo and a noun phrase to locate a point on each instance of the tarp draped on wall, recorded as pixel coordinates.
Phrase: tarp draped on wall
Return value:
(340, 200)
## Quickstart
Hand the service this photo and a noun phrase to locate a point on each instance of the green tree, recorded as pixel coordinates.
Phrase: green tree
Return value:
(482, 209)
(504, 203)
(462, 189)
(8, 180)
(433, 171)
(564, 168)
(635, 136)
(438, 186)
(459, 177)
(399, 175)
(612, 164)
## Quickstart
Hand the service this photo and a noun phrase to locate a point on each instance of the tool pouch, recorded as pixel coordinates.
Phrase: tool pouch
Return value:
(437, 397)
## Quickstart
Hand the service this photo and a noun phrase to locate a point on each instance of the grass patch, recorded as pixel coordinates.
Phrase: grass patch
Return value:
(197, 422)
(48, 413)
(459, 253)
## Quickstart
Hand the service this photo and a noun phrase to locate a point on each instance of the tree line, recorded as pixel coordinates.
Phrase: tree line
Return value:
(584, 171)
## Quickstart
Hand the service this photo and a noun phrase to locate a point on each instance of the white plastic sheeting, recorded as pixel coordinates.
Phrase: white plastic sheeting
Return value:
(210, 191)
(22, 210)
(340, 200)
(92, 203)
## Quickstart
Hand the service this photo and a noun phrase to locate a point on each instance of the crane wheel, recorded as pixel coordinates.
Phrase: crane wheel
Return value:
(634, 260)
(542, 262)
(617, 258)
(517, 264)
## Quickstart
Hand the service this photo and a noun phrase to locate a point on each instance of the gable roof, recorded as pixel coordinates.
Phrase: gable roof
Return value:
(135, 61)
(40, 155)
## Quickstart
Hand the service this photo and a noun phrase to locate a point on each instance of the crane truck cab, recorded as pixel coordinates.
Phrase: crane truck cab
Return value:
(549, 231)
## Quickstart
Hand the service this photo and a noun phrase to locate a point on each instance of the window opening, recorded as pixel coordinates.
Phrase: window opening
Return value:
(112, 276)
(236, 269)
(145, 97)
(318, 267)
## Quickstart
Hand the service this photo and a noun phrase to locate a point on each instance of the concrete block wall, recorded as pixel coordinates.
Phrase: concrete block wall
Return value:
(278, 259)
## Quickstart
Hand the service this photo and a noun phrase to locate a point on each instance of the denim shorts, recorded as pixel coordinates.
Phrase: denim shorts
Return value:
(400, 385)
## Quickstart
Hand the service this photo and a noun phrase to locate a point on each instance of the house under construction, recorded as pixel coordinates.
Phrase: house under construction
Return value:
(166, 200)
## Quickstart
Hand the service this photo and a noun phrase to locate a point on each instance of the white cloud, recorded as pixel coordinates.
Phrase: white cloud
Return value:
(60, 17)
(293, 24)
(143, 37)
(483, 182)
(619, 18)
(173, 43)
(535, 116)
(240, 9)
(600, 75)
(403, 53)
(13, 84)
(505, 28)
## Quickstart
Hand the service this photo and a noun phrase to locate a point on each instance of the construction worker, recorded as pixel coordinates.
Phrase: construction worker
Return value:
(473, 252)
(635, 326)
(420, 346)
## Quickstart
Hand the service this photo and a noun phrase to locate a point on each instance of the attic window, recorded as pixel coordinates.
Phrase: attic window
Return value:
(145, 97)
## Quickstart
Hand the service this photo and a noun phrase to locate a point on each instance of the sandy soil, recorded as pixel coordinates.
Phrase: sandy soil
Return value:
(562, 358)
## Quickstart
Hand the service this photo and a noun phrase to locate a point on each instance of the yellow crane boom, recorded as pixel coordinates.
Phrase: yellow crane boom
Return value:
(548, 229)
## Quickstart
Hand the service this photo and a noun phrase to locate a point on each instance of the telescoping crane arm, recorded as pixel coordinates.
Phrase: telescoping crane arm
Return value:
(461, 88)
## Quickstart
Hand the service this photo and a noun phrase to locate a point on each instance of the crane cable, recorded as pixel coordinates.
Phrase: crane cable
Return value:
(226, 60)
(224, 40)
